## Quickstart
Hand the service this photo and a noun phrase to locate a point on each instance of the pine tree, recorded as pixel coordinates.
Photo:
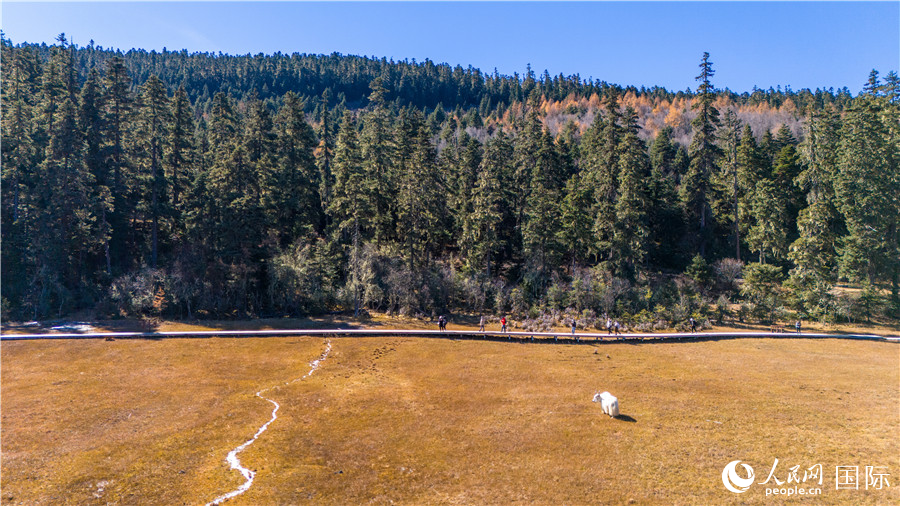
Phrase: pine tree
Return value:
(768, 235)
(542, 213)
(786, 169)
(489, 203)
(526, 145)
(664, 219)
(352, 202)
(325, 152)
(575, 218)
(294, 188)
(663, 151)
(629, 247)
(731, 139)
(66, 237)
(604, 177)
(464, 177)
(222, 129)
(814, 251)
(153, 135)
(90, 123)
(117, 100)
(377, 150)
(179, 161)
(867, 186)
(421, 189)
(20, 85)
(696, 186)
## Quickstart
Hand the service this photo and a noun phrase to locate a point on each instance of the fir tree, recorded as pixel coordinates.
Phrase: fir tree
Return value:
(629, 247)
(181, 149)
(153, 134)
(542, 213)
(484, 231)
(867, 188)
(696, 186)
(377, 150)
(352, 202)
(294, 196)
(604, 177)
(731, 139)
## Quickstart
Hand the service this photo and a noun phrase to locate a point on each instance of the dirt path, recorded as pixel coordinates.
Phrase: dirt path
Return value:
(232, 457)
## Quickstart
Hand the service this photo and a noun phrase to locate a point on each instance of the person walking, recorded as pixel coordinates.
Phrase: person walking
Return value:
(798, 326)
(616, 326)
(693, 325)
(608, 326)
(574, 324)
(502, 324)
(481, 324)
(442, 323)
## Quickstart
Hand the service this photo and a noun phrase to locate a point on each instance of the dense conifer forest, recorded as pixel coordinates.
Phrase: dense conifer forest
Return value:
(194, 185)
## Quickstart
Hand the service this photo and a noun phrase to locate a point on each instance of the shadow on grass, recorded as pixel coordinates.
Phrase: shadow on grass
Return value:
(626, 418)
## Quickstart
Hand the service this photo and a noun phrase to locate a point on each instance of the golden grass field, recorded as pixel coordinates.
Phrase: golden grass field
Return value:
(438, 421)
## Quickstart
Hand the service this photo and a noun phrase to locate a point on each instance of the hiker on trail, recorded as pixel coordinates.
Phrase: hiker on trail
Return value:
(442, 323)
(481, 324)
(503, 324)
(616, 326)
(574, 323)
(798, 326)
(608, 326)
(693, 325)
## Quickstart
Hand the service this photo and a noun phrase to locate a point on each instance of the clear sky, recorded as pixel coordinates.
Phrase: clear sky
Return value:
(796, 44)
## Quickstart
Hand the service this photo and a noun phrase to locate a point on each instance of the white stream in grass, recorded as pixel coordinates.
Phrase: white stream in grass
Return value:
(232, 458)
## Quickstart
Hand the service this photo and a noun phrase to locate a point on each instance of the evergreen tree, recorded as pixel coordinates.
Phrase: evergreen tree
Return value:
(325, 152)
(604, 177)
(294, 188)
(117, 100)
(867, 186)
(64, 202)
(153, 135)
(420, 212)
(527, 143)
(179, 161)
(352, 202)
(542, 214)
(629, 248)
(20, 84)
(663, 151)
(377, 150)
(731, 139)
(489, 198)
(814, 251)
(768, 235)
(464, 177)
(575, 218)
(696, 186)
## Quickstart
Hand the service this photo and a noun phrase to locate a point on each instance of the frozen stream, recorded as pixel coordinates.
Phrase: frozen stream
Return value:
(232, 458)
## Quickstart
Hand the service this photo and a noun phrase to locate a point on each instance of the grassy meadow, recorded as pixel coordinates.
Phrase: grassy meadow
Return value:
(440, 421)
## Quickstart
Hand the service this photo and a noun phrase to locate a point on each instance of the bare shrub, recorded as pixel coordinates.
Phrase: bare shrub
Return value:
(727, 271)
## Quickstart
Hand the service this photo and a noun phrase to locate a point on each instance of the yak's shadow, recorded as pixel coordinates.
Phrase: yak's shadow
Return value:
(625, 418)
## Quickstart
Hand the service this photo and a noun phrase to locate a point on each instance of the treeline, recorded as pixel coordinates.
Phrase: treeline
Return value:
(346, 79)
(126, 199)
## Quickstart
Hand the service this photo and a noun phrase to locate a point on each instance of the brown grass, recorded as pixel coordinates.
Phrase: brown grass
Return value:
(435, 421)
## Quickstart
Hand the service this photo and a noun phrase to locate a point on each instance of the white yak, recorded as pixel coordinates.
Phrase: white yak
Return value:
(608, 403)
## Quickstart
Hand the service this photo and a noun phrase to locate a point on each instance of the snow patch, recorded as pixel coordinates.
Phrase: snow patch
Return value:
(79, 327)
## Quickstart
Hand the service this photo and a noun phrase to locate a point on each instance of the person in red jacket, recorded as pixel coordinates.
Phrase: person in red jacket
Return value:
(503, 324)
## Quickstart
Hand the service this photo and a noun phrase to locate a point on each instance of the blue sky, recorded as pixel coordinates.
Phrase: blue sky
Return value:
(796, 44)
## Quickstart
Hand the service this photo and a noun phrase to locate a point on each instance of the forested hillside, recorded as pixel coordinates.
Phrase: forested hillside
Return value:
(199, 184)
